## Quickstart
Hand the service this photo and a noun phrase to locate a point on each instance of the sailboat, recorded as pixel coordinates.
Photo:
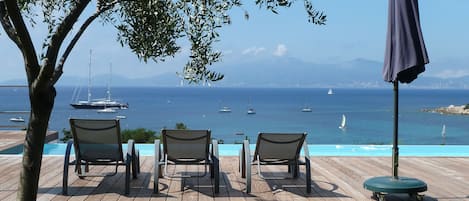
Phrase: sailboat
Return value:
(342, 123)
(443, 131)
(98, 103)
(330, 92)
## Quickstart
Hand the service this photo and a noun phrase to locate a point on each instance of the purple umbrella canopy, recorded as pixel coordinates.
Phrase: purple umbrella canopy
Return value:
(405, 55)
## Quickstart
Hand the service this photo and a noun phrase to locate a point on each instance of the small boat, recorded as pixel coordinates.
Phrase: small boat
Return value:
(342, 123)
(107, 110)
(443, 131)
(251, 111)
(330, 92)
(121, 117)
(306, 109)
(17, 119)
(224, 110)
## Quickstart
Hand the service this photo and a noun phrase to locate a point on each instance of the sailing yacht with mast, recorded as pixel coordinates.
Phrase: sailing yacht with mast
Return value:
(98, 103)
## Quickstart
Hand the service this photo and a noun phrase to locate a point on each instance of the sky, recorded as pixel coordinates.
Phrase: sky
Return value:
(354, 30)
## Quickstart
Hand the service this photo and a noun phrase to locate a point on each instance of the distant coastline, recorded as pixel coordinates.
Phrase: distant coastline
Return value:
(451, 109)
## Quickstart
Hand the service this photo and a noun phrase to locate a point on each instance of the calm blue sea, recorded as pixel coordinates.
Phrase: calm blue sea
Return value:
(369, 112)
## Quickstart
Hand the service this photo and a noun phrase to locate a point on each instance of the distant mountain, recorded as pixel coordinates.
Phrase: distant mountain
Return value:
(291, 72)
(279, 72)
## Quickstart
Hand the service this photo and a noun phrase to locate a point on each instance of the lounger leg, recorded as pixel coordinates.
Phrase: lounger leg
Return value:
(135, 166)
(127, 174)
(156, 168)
(216, 170)
(138, 161)
(65, 171)
(243, 163)
(296, 169)
(308, 175)
(247, 165)
(211, 169)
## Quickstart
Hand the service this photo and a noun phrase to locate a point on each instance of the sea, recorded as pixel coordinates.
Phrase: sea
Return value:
(369, 112)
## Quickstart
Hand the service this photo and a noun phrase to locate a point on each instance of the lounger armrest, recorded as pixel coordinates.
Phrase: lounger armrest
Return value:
(215, 148)
(306, 150)
(308, 166)
(131, 147)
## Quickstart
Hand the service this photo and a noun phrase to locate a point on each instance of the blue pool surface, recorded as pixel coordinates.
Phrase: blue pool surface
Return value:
(314, 150)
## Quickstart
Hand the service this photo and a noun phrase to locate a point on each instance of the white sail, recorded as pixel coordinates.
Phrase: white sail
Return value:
(342, 123)
(330, 92)
(443, 131)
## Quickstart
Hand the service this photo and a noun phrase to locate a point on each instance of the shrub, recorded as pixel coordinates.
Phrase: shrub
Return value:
(67, 135)
(140, 135)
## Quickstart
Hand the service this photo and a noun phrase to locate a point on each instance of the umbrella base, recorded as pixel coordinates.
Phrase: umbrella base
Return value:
(388, 184)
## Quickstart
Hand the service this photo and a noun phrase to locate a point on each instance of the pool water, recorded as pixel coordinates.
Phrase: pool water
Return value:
(314, 150)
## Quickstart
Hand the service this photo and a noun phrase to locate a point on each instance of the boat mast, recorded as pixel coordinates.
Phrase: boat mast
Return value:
(109, 84)
(89, 79)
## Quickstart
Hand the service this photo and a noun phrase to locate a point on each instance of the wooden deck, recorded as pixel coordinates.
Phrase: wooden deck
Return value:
(334, 178)
(12, 138)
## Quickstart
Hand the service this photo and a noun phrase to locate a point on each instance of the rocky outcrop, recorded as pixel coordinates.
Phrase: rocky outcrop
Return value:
(451, 109)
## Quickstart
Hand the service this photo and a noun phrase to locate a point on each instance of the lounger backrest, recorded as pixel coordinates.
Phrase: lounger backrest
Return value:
(97, 140)
(281, 146)
(190, 145)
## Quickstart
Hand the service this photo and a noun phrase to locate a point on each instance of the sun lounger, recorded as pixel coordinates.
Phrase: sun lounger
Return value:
(98, 142)
(276, 149)
(186, 147)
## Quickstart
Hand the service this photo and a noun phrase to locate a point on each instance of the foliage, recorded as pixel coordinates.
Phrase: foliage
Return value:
(139, 135)
(181, 126)
(67, 135)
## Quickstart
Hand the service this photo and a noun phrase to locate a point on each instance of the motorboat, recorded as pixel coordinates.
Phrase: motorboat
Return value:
(224, 110)
(251, 111)
(306, 109)
(17, 119)
(106, 110)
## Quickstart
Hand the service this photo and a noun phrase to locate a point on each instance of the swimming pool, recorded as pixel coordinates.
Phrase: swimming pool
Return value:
(315, 150)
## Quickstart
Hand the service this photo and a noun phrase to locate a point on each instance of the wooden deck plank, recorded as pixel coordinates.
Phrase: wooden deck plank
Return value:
(13, 138)
(334, 178)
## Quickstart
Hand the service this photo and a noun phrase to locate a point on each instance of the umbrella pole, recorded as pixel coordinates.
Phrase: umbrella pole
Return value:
(395, 148)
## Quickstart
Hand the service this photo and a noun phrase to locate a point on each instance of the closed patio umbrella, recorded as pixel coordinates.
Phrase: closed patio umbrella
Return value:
(405, 58)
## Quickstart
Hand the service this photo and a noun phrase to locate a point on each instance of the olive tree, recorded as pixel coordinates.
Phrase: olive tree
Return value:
(150, 28)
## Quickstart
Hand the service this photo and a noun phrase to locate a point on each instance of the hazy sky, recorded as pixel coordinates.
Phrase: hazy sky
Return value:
(355, 29)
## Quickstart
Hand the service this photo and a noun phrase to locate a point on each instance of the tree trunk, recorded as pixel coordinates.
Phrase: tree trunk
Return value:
(42, 102)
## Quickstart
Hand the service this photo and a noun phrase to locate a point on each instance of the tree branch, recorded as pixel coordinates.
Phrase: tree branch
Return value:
(7, 26)
(45, 77)
(59, 69)
(22, 34)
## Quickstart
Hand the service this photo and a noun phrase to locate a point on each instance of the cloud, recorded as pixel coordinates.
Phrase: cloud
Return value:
(447, 74)
(253, 50)
(281, 50)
